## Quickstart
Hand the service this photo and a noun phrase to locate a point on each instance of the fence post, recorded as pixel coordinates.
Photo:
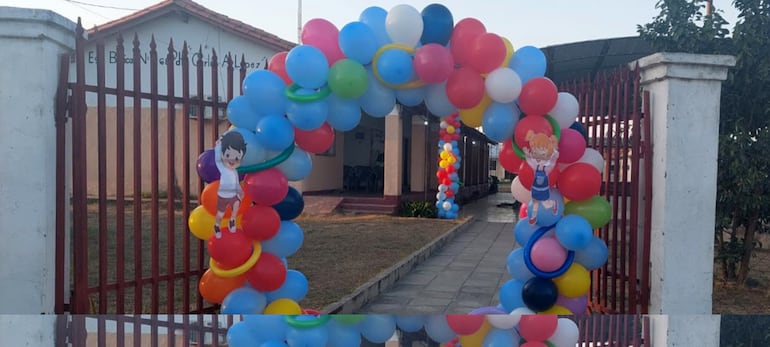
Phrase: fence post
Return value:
(32, 42)
(684, 102)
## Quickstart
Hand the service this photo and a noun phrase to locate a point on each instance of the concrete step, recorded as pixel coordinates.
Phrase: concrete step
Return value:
(368, 208)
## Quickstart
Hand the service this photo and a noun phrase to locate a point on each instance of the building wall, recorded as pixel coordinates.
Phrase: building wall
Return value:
(327, 170)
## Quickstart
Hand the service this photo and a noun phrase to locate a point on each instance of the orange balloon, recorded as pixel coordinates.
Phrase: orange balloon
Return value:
(209, 200)
(214, 288)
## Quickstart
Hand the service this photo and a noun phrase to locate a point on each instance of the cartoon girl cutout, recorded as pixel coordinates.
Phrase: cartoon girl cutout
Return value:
(541, 154)
(228, 153)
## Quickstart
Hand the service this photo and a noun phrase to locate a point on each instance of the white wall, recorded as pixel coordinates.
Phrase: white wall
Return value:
(27, 330)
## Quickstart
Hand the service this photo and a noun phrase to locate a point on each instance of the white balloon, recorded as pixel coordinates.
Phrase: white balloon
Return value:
(447, 205)
(503, 85)
(566, 334)
(443, 124)
(448, 146)
(593, 157)
(520, 193)
(442, 188)
(503, 321)
(566, 110)
(404, 25)
(521, 311)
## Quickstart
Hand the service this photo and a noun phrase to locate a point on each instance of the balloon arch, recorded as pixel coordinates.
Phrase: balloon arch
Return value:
(462, 73)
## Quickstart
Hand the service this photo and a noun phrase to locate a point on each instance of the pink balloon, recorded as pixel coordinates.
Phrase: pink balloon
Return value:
(575, 305)
(538, 96)
(538, 327)
(572, 146)
(267, 187)
(465, 88)
(433, 63)
(322, 34)
(463, 35)
(487, 53)
(548, 254)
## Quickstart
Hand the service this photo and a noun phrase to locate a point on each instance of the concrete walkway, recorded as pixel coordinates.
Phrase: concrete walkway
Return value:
(466, 274)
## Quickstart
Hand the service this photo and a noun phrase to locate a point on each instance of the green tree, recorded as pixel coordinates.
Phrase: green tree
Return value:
(743, 189)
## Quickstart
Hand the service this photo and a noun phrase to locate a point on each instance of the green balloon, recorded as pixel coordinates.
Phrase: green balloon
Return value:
(348, 79)
(596, 210)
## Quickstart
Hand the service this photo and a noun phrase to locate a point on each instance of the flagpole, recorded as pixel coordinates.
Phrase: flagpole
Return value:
(299, 21)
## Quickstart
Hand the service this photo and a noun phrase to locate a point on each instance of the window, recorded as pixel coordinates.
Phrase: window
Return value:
(492, 164)
(193, 108)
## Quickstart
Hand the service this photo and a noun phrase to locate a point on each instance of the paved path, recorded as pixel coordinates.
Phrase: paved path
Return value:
(464, 275)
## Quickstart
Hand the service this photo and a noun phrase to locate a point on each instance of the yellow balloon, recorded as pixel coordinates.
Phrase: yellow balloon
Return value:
(283, 306)
(557, 310)
(201, 223)
(444, 154)
(575, 282)
(472, 116)
(443, 164)
(450, 129)
(508, 51)
(476, 339)
(451, 160)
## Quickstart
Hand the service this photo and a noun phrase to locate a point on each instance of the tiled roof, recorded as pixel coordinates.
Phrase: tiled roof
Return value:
(203, 13)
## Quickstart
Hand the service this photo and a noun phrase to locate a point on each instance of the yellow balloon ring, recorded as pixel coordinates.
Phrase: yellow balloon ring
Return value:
(405, 48)
(240, 270)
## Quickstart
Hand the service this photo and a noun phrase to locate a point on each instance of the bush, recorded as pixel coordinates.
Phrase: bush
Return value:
(420, 209)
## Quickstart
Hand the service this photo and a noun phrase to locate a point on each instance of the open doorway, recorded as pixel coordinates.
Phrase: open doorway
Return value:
(364, 158)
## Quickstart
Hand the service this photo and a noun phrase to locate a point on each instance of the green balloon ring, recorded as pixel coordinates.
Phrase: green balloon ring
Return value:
(268, 164)
(306, 324)
(556, 131)
(291, 93)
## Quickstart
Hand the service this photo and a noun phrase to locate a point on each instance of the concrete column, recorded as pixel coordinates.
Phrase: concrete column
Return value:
(684, 95)
(394, 154)
(417, 155)
(28, 330)
(31, 41)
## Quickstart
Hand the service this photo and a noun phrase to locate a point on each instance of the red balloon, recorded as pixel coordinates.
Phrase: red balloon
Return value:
(537, 327)
(268, 273)
(450, 169)
(465, 324)
(441, 174)
(261, 222)
(487, 53)
(315, 141)
(232, 250)
(446, 181)
(523, 211)
(537, 124)
(527, 176)
(465, 88)
(580, 181)
(433, 63)
(267, 187)
(508, 158)
(463, 35)
(450, 193)
(572, 146)
(534, 344)
(277, 64)
(538, 96)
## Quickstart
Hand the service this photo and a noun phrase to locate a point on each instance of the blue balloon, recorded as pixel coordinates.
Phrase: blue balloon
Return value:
(437, 25)
(501, 338)
(297, 166)
(239, 335)
(286, 242)
(344, 114)
(523, 231)
(267, 327)
(377, 328)
(244, 301)
(574, 232)
(510, 295)
(241, 114)
(358, 42)
(307, 66)
(275, 132)
(294, 287)
(343, 335)
(307, 115)
(255, 153)
(378, 101)
(410, 323)
(499, 121)
(594, 255)
(454, 186)
(438, 329)
(266, 92)
(273, 343)
(395, 66)
(410, 97)
(437, 101)
(307, 337)
(291, 206)
(374, 17)
(548, 216)
(516, 266)
(528, 62)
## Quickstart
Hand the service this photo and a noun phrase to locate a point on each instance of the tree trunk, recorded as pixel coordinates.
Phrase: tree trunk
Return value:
(728, 266)
(748, 247)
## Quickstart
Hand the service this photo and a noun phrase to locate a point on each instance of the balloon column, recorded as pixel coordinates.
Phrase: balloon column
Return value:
(491, 329)
(449, 165)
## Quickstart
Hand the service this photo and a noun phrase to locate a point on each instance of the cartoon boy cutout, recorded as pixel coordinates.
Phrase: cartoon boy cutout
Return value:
(542, 154)
(228, 153)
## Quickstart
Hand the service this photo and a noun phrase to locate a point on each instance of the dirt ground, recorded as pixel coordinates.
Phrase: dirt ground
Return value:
(731, 298)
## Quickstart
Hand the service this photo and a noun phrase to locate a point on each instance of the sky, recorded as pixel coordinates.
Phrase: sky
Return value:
(538, 23)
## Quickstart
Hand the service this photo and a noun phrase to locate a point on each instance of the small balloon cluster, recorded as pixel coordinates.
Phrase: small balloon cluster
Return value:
(449, 165)
(475, 329)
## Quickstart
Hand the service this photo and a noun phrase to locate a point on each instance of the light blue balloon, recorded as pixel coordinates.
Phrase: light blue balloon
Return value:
(275, 132)
(516, 266)
(377, 328)
(273, 343)
(374, 17)
(286, 242)
(343, 335)
(241, 114)
(267, 327)
(437, 101)
(410, 323)
(344, 114)
(454, 186)
(378, 101)
(438, 329)
(547, 216)
(501, 338)
(358, 42)
(307, 66)
(528, 62)
(244, 301)
(395, 66)
(294, 287)
(510, 295)
(574, 232)
(411, 97)
(594, 255)
(297, 166)
(307, 115)
(307, 337)
(499, 120)
(523, 231)
(266, 92)
(239, 335)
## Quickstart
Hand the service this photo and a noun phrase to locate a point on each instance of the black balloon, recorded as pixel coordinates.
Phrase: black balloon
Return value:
(579, 127)
(291, 206)
(539, 294)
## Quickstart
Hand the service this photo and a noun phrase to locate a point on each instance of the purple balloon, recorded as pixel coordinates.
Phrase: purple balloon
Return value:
(488, 310)
(576, 305)
(207, 168)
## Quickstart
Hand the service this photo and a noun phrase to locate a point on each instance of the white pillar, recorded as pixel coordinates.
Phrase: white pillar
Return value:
(31, 41)
(394, 154)
(28, 330)
(684, 95)
(417, 157)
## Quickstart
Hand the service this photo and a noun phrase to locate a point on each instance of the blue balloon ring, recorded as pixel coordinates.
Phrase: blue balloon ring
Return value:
(528, 257)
